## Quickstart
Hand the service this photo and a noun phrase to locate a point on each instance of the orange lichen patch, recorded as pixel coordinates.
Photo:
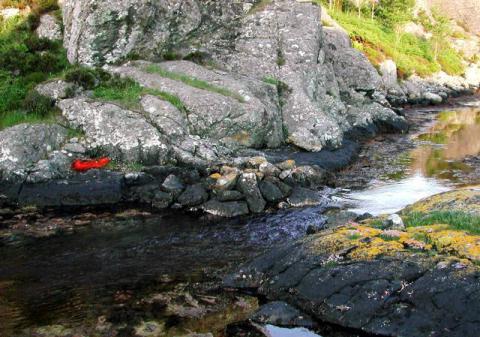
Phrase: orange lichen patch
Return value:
(451, 242)
(376, 247)
(216, 176)
(243, 137)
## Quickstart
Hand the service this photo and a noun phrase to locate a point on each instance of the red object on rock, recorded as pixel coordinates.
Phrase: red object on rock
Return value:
(85, 165)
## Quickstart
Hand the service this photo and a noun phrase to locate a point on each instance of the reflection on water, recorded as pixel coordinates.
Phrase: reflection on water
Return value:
(434, 166)
(455, 136)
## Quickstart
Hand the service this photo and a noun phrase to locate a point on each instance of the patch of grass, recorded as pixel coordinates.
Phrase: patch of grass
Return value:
(194, 82)
(455, 219)
(354, 237)
(389, 238)
(75, 133)
(128, 93)
(25, 61)
(17, 117)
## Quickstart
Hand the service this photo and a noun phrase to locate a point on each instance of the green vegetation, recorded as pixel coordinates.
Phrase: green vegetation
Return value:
(455, 219)
(194, 82)
(380, 37)
(25, 61)
(128, 93)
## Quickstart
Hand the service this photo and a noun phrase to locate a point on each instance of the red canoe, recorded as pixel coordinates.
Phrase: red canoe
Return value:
(85, 165)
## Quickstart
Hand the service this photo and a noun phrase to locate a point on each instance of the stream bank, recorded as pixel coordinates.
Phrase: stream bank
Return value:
(136, 273)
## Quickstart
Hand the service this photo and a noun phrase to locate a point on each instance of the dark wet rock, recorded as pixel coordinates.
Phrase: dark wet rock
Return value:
(173, 184)
(309, 176)
(247, 184)
(302, 197)
(193, 195)
(363, 216)
(282, 314)
(357, 278)
(92, 188)
(229, 195)
(226, 209)
(337, 218)
(270, 191)
(162, 200)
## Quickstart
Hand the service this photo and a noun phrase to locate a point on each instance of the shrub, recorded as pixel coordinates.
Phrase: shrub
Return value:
(84, 77)
(34, 103)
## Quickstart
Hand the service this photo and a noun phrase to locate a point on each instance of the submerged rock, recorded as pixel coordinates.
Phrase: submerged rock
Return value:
(282, 314)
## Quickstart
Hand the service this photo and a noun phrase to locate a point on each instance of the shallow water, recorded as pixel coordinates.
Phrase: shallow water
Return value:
(73, 279)
(434, 166)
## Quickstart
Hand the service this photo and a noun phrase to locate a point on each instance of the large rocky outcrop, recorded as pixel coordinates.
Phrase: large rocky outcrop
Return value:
(282, 42)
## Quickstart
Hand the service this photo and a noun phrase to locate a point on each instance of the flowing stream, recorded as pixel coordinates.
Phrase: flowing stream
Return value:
(73, 280)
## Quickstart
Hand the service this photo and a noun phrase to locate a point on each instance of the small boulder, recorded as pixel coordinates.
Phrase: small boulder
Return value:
(268, 169)
(56, 90)
(193, 195)
(49, 28)
(173, 184)
(433, 98)
(302, 197)
(270, 191)
(395, 222)
(226, 209)
(247, 184)
(286, 165)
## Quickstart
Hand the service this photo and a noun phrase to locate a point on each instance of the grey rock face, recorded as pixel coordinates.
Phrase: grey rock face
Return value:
(99, 32)
(24, 145)
(49, 28)
(244, 113)
(122, 134)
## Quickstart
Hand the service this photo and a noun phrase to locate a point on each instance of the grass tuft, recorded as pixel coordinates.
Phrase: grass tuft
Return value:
(455, 219)
(194, 82)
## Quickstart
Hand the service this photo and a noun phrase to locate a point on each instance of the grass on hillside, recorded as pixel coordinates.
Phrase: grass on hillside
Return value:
(194, 82)
(412, 54)
(455, 219)
(25, 61)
